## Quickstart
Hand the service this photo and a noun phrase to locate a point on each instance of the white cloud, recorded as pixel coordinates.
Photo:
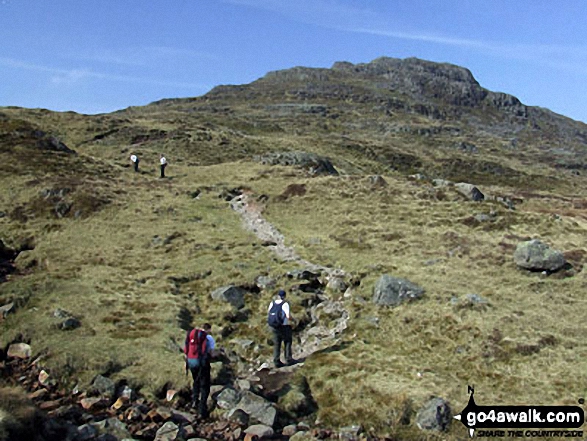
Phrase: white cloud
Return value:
(71, 76)
(140, 56)
(62, 76)
(334, 14)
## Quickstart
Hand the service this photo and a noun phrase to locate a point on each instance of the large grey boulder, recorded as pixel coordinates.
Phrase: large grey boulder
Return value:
(167, 432)
(228, 398)
(314, 164)
(469, 191)
(104, 386)
(231, 294)
(537, 256)
(392, 291)
(19, 350)
(436, 414)
(258, 408)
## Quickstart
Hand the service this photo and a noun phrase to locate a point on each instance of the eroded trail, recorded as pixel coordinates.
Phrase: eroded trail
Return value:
(253, 221)
(317, 335)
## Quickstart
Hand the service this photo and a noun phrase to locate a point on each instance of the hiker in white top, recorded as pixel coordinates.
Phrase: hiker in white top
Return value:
(163, 162)
(134, 160)
(279, 319)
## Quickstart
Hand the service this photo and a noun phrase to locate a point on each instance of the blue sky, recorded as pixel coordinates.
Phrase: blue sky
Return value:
(95, 56)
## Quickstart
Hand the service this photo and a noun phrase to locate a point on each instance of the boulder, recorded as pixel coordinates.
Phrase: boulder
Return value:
(259, 430)
(104, 386)
(469, 191)
(337, 284)
(167, 432)
(46, 142)
(258, 408)
(436, 414)
(314, 164)
(69, 324)
(231, 294)
(182, 418)
(228, 398)
(290, 430)
(534, 255)
(377, 181)
(25, 260)
(6, 309)
(392, 291)
(19, 350)
(240, 417)
(62, 208)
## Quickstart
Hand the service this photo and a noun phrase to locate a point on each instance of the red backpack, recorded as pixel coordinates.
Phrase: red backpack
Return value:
(196, 344)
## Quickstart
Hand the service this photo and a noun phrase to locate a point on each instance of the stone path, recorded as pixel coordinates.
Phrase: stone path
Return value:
(316, 336)
(250, 212)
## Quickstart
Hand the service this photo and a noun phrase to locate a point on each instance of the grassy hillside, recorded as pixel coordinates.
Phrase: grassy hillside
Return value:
(135, 257)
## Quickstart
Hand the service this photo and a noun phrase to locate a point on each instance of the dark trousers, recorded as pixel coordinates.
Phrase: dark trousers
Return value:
(201, 388)
(282, 334)
(136, 164)
(163, 170)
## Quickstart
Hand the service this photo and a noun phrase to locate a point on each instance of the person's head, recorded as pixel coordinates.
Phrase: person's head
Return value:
(207, 327)
(281, 294)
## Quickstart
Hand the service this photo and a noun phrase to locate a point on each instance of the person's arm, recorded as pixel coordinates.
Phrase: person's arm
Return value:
(211, 343)
(187, 341)
(286, 311)
(211, 347)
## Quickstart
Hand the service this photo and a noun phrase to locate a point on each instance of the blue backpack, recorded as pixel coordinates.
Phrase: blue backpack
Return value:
(276, 315)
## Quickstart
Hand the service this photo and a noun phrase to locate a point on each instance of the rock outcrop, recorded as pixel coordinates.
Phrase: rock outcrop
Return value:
(436, 415)
(392, 291)
(535, 255)
(314, 164)
(230, 294)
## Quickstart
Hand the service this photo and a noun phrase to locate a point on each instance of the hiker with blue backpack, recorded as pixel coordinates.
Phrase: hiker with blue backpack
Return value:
(198, 349)
(279, 319)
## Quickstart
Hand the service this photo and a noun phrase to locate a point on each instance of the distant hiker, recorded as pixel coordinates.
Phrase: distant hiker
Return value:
(163, 162)
(198, 348)
(134, 160)
(279, 318)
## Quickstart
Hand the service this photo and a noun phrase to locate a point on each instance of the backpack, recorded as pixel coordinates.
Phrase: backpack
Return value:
(276, 315)
(196, 345)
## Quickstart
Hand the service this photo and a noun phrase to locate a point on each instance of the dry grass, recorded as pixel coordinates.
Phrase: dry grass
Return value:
(116, 269)
(512, 351)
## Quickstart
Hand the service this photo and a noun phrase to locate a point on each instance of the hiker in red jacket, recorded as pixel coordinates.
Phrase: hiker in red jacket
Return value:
(198, 348)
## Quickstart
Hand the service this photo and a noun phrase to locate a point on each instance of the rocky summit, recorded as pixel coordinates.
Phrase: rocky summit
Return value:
(429, 234)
